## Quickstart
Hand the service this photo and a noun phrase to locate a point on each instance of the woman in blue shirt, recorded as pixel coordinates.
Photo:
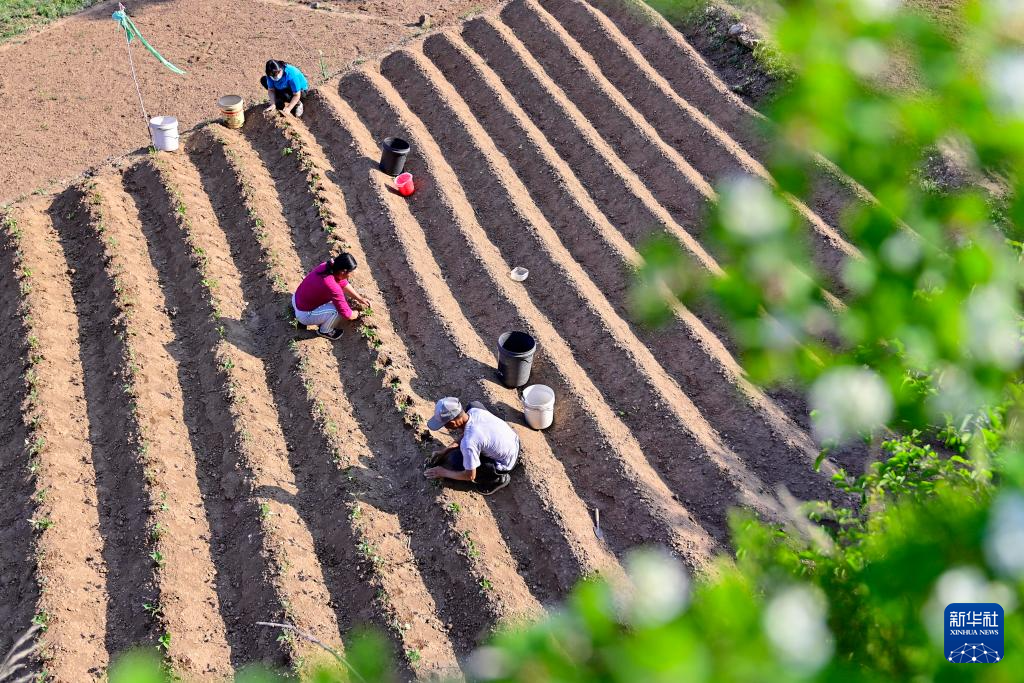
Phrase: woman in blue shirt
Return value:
(285, 86)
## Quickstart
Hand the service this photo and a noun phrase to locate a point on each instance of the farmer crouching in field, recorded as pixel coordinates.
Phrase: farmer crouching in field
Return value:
(485, 453)
(320, 299)
(285, 86)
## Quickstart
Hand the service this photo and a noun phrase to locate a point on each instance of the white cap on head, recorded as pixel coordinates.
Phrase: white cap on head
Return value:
(446, 410)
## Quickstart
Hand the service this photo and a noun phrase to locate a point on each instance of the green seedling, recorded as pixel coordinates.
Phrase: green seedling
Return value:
(42, 620)
(454, 508)
(164, 641)
(227, 364)
(413, 656)
(153, 610)
(486, 585)
(158, 558)
(369, 552)
(471, 548)
(41, 524)
(265, 510)
(287, 151)
(156, 532)
(355, 513)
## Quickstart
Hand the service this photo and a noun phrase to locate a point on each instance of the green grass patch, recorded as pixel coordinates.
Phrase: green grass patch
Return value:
(18, 16)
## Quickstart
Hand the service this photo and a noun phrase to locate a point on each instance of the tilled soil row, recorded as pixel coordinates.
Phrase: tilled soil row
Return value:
(368, 566)
(71, 570)
(289, 522)
(19, 590)
(711, 151)
(466, 256)
(545, 510)
(751, 423)
(109, 365)
(672, 179)
(471, 575)
(187, 603)
(696, 82)
(632, 381)
(619, 191)
(246, 570)
(623, 122)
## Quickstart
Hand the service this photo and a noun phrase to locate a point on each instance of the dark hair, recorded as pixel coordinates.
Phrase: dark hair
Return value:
(275, 65)
(341, 263)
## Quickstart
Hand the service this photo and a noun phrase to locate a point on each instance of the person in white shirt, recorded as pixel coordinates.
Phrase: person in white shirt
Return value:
(485, 453)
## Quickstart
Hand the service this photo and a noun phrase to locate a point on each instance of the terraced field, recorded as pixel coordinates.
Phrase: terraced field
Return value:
(182, 464)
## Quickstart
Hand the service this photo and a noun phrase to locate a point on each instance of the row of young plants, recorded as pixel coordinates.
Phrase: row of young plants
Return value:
(373, 564)
(233, 383)
(115, 265)
(404, 398)
(35, 439)
(406, 402)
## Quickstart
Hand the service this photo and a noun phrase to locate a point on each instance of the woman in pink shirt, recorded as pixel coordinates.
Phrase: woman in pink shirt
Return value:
(320, 299)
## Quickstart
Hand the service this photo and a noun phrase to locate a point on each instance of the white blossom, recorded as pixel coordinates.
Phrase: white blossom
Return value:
(794, 621)
(867, 58)
(993, 329)
(1006, 82)
(659, 587)
(875, 10)
(849, 401)
(1004, 542)
(750, 210)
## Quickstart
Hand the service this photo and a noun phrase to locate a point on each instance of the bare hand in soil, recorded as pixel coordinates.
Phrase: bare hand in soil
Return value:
(269, 109)
(355, 315)
(434, 473)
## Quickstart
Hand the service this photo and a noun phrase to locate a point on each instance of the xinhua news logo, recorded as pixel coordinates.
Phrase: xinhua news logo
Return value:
(974, 633)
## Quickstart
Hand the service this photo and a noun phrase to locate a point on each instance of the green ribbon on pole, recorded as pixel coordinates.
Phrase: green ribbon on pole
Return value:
(131, 31)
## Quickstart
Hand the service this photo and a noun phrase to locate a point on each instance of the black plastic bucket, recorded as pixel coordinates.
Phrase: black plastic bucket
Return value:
(515, 358)
(392, 155)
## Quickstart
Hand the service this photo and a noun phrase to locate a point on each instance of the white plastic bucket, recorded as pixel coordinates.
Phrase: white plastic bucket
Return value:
(164, 131)
(539, 406)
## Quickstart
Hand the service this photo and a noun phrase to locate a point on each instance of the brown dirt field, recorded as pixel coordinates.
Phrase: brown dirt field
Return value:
(69, 102)
(186, 448)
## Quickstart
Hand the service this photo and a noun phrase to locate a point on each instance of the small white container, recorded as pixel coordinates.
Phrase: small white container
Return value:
(519, 274)
(539, 406)
(164, 131)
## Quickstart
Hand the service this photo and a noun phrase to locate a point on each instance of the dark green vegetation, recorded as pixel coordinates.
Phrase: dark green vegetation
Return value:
(17, 16)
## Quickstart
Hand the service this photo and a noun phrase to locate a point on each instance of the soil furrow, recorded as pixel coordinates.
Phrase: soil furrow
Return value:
(322, 422)
(633, 382)
(697, 359)
(188, 601)
(713, 153)
(694, 80)
(291, 527)
(244, 572)
(467, 257)
(546, 510)
(471, 598)
(19, 591)
(69, 546)
(657, 161)
(672, 179)
(618, 189)
(113, 426)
